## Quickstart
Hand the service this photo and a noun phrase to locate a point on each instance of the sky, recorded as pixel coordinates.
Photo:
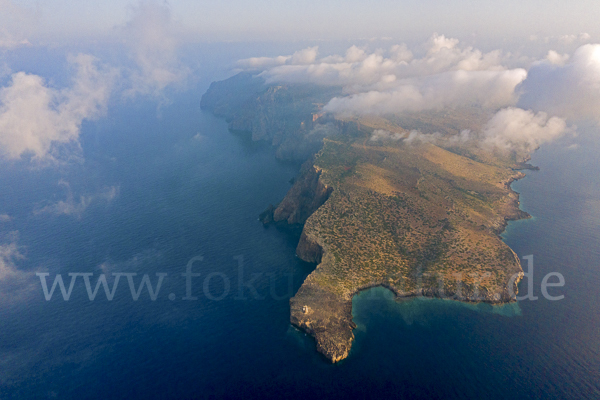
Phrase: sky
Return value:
(241, 20)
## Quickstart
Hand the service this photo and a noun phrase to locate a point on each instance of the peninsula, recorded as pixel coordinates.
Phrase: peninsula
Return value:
(380, 202)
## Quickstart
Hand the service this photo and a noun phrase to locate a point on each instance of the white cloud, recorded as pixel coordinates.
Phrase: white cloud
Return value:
(76, 207)
(306, 56)
(381, 135)
(151, 34)
(301, 57)
(571, 91)
(262, 62)
(567, 39)
(400, 53)
(5, 218)
(556, 89)
(34, 117)
(355, 54)
(554, 58)
(361, 71)
(415, 136)
(9, 255)
(439, 42)
(395, 81)
(515, 128)
(16, 284)
(450, 89)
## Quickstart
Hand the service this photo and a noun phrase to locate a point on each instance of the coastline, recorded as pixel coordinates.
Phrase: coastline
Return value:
(330, 321)
(417, 219)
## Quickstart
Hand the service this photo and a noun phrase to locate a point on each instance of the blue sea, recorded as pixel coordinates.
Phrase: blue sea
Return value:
(157, 185)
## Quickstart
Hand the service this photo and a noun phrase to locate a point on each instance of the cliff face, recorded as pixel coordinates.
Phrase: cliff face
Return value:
(309, 249)
(226, 98)
(287, 116)
(306, 195)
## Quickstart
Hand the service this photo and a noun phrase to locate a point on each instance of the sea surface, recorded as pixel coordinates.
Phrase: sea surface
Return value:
(155, 186)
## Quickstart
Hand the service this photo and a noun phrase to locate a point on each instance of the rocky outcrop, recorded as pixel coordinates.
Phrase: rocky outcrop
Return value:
(326, 317)
(306, 195)
(511, 209)
(309, 249)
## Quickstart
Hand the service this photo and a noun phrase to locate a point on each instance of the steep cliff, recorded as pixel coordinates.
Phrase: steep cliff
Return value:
(306, 195)
(287, 116)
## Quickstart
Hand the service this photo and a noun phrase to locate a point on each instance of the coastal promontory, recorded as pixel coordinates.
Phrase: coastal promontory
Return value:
(382, 203)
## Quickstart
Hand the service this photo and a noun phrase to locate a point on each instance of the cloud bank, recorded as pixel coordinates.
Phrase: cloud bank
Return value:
(530, 105)
(394, 80)
(34, 116)
(360, 70)
(515, 128)
(489, 89)
(509, 129)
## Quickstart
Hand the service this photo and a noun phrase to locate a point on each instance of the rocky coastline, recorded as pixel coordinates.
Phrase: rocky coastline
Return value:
(418, 219)
(327, 316)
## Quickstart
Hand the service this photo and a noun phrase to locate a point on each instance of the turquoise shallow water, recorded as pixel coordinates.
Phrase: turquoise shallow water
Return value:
(186, 187)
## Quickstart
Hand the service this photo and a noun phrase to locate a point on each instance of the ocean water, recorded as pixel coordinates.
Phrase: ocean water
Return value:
(155, 187)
